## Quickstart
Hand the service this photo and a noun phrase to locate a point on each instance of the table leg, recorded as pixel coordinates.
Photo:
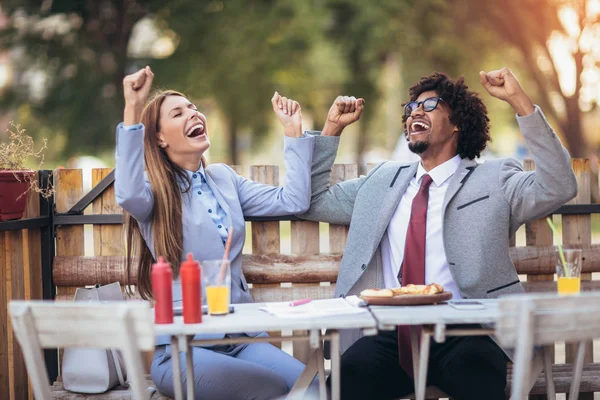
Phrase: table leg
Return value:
(314, 366)
(335, 365)
(414, 345)
(189, 367)
(577, 370)
(421, 378)
(306, 377)
(547, 355)
(321, 368)
(176, 369)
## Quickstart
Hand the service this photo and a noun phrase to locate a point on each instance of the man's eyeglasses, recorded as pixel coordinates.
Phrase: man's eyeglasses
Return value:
(429, 104)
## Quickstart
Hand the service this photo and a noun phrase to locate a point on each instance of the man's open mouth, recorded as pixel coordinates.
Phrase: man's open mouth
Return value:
(418, 127)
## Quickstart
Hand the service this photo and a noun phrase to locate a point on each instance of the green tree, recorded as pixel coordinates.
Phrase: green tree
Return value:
(528, 27)
(239, 53)
(69, 59)
(79, 52)
(365, 34)
(421, 32)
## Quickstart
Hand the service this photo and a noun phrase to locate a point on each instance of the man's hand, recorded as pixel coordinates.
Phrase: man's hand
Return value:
(344, 111)
(289, 114)
(136, 89)
(503, 85)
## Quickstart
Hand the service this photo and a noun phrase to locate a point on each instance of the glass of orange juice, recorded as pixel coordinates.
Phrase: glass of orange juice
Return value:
(568, 271)
(216, 283)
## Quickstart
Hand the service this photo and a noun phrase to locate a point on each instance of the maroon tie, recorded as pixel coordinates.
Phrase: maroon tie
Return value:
(413, 266)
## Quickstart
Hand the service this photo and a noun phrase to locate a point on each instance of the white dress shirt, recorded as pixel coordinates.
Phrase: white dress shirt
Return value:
(392, 246)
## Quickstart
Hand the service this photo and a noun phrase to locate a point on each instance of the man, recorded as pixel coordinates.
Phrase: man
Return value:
(445, 220)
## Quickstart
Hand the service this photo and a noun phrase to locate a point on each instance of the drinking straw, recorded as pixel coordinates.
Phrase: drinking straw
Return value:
(225, 255)
(560, 249)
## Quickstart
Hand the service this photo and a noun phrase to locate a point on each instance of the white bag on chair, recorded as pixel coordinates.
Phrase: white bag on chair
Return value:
(87, 370)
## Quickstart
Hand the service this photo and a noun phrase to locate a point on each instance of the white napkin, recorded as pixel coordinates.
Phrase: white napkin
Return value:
(316, 308)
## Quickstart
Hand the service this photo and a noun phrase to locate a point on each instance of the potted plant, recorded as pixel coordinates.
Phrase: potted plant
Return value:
(15, 179)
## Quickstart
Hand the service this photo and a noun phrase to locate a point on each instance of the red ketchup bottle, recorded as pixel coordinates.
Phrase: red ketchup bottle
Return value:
(190, 289)
(162, 289)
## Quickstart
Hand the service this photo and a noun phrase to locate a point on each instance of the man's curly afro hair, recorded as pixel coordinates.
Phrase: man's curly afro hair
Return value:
(468, 112)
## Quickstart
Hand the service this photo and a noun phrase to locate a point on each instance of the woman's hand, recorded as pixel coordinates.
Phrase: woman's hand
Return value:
(344, 111)
(289, 114)
(136, 89)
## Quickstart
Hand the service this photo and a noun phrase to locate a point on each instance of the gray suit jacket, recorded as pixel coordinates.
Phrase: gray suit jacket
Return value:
(483, 207)
(237, 196)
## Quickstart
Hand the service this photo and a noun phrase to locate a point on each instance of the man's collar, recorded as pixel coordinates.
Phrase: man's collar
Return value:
(442, 172)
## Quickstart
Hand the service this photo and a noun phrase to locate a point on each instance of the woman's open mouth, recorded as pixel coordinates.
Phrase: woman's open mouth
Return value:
(195, 131)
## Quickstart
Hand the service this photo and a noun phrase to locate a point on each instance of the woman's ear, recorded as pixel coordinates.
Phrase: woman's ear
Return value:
(161, 141)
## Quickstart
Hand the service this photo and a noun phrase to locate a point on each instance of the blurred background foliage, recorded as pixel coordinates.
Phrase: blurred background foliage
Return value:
(62, 63)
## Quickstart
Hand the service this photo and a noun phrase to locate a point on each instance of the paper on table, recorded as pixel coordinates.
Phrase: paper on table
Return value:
(316, 308)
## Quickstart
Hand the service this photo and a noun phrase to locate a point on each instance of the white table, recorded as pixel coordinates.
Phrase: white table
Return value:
(437, 321)
(249, 318)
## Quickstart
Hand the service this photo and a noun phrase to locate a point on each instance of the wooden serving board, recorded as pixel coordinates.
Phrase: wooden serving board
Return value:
(407, 299)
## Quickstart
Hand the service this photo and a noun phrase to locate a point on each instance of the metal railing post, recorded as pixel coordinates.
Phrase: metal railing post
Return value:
(48, 288)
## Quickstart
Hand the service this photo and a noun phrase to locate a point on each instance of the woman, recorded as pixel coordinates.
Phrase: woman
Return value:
(183, 205)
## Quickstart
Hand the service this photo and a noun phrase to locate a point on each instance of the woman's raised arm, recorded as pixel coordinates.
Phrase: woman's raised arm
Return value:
(132, 189)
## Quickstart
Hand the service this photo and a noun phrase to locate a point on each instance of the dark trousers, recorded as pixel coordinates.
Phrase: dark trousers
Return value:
(463, 367)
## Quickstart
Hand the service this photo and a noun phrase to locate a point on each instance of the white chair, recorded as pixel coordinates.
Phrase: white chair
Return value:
(527, 321)
(127, 326)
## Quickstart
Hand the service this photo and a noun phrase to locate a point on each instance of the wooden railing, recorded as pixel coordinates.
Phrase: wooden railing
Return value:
(95, 254)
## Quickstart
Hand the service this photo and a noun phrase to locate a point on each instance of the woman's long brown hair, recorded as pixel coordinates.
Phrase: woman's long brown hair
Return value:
(168, 182)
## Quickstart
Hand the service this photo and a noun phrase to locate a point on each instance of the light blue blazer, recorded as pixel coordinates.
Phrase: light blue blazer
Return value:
(237, 196)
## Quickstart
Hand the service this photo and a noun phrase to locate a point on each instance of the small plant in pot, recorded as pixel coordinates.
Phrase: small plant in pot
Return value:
(15, 179)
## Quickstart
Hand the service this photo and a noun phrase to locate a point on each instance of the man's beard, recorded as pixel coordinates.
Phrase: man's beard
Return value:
(418, 147)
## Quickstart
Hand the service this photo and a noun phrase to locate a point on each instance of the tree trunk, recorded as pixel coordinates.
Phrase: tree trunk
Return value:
(233, 143)
(572, 129)
(361, 86)
(361, 147)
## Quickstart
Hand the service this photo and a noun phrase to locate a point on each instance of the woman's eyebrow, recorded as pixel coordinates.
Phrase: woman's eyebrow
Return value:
(179, 108)
(174, 109)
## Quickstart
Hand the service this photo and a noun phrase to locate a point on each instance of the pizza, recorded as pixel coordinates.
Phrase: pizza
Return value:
(409, 289)
(377, 293)
(433, 288)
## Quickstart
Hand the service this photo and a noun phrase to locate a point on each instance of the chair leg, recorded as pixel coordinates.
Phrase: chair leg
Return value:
(550, 390)
(32, 353)
(133, 360)
(577, 371)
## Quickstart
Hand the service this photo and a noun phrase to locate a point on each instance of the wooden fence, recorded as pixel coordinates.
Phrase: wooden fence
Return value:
(20, 278)
(308, 271)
